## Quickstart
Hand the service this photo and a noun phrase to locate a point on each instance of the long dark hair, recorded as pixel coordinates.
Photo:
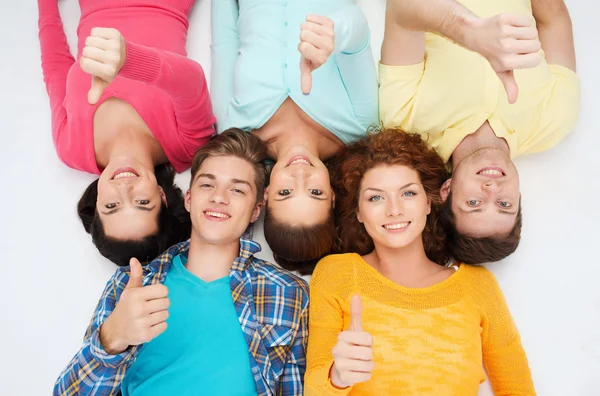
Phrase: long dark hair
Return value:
(174, 224)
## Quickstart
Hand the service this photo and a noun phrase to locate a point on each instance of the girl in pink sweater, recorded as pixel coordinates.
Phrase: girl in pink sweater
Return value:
(133, 109)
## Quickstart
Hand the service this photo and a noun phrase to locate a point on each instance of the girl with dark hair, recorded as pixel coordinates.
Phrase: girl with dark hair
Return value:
(301, 76)
(133, 109)
(433, 324)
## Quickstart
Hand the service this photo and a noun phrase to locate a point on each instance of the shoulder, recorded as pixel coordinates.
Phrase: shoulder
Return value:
(478, 274)
(482, 285)
(335, 272)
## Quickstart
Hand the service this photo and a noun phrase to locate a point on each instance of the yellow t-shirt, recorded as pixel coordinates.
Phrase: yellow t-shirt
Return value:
(427, 341)
(454, 91)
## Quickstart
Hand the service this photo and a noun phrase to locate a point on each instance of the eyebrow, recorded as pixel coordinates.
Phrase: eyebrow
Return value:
(504, 212)
(291, 196)
(213, 177)
(401, 188)
(115, 210)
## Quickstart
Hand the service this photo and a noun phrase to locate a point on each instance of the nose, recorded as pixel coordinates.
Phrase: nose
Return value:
(395, 208)
(491, 186)
(300, 175)
(219, 196)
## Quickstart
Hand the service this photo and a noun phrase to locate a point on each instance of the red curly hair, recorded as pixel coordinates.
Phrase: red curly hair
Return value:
(387, 146)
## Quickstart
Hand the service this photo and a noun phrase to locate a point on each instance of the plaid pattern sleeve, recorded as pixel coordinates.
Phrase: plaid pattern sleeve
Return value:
(92, 371)
(292, 378)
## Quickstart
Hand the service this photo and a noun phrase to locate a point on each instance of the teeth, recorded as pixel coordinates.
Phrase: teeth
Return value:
(491, 172)
(217, 214)
(124, 174)
(396, 226)
(300, 161)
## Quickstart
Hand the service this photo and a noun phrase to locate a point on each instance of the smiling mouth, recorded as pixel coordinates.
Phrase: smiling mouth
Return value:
(396, 226)
(492, 172)
(217, 216)
(124, 173)
(299, 160)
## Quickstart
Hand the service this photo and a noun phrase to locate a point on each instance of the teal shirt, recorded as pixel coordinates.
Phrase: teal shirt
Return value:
(256, 65)
(203, 350)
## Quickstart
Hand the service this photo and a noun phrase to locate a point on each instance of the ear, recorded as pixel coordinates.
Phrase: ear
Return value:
(358, 217)
(256, 212)
(428, 206)
(266, 194)
(188, 201)
(163, 196)
(445, 189)
(332, 199)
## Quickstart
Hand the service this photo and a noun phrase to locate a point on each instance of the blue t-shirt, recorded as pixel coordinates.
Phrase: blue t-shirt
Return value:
(203, 350)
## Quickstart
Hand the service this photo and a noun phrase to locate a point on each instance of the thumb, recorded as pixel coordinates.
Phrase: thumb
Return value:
(96, 90)
(356, 313)
(135, 274)
(305, 76)
(510, 85)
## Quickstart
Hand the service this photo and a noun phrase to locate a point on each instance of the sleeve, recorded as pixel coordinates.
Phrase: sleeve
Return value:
(292, 379)
(355, 62)
(56, 62)
(503, 355)
(92, 370)
(179, 77)
(398, 87)
(559, 107)
(325, 323)
(224, 54)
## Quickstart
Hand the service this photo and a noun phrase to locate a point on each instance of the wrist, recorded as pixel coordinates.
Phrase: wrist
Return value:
(110, 342)
(334, 378)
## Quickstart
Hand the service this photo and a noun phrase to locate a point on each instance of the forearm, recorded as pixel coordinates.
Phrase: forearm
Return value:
(445, 17)
(556, 36)
(179, 77)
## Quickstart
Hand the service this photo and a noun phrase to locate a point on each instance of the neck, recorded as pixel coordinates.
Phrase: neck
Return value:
(209, 261)
(482, 138)
(131, 143)
(404, 266)
(300, 137)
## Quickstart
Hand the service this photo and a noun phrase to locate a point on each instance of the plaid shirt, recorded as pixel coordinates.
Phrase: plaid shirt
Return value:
(272, 306)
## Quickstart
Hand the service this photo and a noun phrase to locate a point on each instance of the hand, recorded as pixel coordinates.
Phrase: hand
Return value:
(103, 57)
(508, 42)
(140, 314)
(316, 44)
(353, 354)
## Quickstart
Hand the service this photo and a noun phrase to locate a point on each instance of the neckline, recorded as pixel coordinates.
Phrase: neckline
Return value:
(444, 284)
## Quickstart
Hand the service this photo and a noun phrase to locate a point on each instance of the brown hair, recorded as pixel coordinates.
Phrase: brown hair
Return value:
(388, 146)
(237, 143)
(471, 250)
(299, 248)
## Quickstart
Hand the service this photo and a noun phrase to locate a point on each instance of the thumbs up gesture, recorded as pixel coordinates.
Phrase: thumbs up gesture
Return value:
(316, 44)
(103, 57)
(353, 353)
(139, 316)
(508, 42)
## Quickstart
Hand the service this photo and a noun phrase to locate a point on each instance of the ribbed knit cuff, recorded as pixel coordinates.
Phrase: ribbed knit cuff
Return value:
(141, 63)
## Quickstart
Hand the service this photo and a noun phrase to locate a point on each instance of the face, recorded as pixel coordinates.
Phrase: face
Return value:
(222, 199)
(299, 192)
(129, 200)
(393, 206)
(485, 194)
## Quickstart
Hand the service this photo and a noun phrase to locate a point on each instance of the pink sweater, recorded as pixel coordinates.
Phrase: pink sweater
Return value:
(167, 89)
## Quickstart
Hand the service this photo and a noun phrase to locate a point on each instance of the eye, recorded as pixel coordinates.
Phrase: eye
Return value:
(143, 202)
(409, 194)
(315, 191)
(205, 185)
(238, 191)
(110, 206)
(375, 198)
(473, 203)
(505, 204)
(285, 192)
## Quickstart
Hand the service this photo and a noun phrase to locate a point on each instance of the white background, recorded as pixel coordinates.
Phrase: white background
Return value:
(52, 275)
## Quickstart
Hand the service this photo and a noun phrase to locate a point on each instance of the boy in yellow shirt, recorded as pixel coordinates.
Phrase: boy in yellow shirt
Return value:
(460, 93)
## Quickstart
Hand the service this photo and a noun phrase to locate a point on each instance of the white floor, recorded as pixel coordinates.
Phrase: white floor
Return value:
(53, 274)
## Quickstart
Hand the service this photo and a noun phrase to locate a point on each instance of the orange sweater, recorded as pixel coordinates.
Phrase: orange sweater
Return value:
(429, 341)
